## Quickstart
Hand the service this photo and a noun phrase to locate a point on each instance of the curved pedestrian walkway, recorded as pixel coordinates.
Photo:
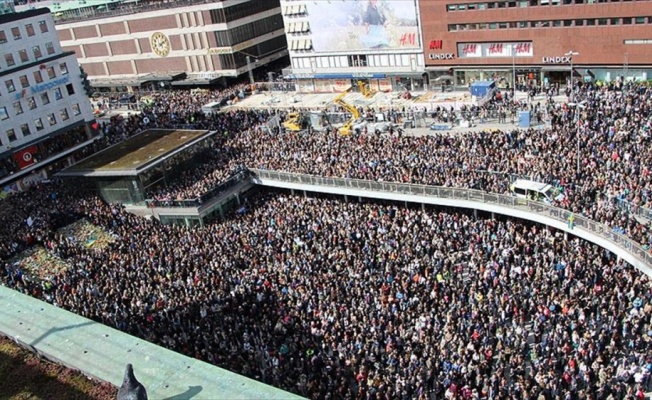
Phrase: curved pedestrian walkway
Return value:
(557, 218)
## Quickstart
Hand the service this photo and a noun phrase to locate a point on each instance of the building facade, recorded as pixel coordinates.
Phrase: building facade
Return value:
(44, 108)
(536, 41)
(333, 45)
(201, 41)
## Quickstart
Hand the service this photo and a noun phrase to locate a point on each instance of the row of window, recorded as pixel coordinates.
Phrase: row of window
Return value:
(24, 57)
(295, 10)
(248, 31)
(565, 23)
(300, 45)
(26, 130)
(297, 27)
(360, 60)
(238, 11)
(524, 3)
(31, 101)
(38, 77)
(29, 31)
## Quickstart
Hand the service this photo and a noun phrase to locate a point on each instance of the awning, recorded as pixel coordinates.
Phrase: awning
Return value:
(195, 81)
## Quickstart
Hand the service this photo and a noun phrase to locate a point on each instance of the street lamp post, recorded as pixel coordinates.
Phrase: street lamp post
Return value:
(514, 69)
(251, 71)
(570, 54)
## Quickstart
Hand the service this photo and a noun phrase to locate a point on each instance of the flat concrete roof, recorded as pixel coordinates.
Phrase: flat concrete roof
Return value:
(136, 154)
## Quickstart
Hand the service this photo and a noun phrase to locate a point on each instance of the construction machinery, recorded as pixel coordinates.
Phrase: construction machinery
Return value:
(354, 121)
(366, 90)
(294, 122)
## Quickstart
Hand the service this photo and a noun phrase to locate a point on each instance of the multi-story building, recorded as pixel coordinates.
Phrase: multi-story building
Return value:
(335, 44)
(44, 110)
(131, 43)
(536, 41)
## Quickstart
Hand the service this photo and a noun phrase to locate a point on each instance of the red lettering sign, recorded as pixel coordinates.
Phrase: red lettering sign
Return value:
(469, 48)
(523, 48)
(495, 48)
(408, 39)
(436, 44)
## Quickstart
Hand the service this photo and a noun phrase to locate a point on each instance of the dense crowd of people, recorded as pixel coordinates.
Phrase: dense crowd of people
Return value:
(335, 299)
(612, 129)
(331, 299)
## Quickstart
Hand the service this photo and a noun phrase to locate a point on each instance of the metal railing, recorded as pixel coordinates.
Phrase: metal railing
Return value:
(205, 197)
(558, 214)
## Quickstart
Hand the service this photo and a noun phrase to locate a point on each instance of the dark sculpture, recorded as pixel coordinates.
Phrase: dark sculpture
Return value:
(131, 389)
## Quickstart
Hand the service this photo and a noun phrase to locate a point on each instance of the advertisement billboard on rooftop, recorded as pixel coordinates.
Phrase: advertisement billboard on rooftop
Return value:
(354, 25)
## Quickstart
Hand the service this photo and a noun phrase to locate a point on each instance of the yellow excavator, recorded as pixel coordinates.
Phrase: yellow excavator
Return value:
(348, 126)
(366, 90)
(293, 122)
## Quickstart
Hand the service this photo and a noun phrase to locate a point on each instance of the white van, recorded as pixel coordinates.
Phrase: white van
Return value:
(533, 190)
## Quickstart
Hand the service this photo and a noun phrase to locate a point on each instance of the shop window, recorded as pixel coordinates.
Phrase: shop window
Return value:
(63, 113)
(18, 108)
(3, 113)
(590, 22)
(29, 28)
(603, 21)
(9, 59)
(31, 103)
(75, 109)
(23, 55)
(10, 85)
(24, 128)
(52, 120)
(627, 21)
(37, 52)
(3, 37)
(45, 99)
(568, 22)
(38, 124)
(15, 31)
(24, 82)
(11, 135)
(43, 26)
(639, 20)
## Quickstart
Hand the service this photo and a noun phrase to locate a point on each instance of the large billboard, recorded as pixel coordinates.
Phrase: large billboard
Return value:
(353, 25)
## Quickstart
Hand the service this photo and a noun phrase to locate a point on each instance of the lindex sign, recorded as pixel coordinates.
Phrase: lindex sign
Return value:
(556, 60)
(441, 56)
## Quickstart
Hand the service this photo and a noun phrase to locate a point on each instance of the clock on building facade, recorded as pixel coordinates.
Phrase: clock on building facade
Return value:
(160, 44)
